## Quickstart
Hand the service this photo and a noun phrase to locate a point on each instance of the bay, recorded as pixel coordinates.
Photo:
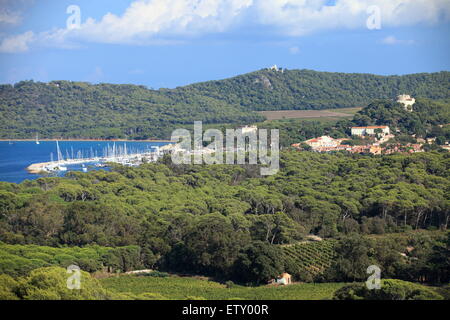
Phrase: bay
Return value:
(16, 156)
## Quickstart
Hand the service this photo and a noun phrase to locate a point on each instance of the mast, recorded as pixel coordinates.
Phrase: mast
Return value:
(58, 151)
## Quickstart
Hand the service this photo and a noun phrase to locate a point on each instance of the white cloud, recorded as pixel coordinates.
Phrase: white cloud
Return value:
(161, 22)
(391, 40)
(147, 18)
(294, 50)
(136, 71)
(300, 17)
(18, 43)
(11, 11)
(7, 17)
(96, 75)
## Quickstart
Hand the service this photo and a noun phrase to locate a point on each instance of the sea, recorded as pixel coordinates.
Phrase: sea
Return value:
(16, 156)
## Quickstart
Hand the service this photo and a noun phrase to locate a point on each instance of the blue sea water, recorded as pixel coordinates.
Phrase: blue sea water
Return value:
(16, 156)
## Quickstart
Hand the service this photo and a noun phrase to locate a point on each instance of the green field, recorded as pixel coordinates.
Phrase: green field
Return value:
(191, 288)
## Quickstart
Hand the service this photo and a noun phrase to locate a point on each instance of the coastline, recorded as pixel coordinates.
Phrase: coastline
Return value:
(105, 140)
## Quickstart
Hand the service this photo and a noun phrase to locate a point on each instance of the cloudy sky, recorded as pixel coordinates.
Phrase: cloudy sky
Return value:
(167, 43)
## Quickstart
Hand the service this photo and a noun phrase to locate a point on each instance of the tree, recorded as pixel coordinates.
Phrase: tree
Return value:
(258, 263)
(352, 260)
(212, 245)
(51, 284)
(390, 290)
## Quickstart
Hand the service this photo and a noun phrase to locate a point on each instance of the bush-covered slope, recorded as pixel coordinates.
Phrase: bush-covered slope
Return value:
(76, 109)
(307, 89)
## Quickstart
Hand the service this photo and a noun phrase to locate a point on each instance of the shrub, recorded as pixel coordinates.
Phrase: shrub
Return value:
(391, 289)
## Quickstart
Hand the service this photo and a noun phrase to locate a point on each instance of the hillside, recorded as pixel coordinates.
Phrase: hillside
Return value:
(307, 89)
(82, 110)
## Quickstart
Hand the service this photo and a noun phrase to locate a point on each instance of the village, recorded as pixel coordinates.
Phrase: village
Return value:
(372, 139)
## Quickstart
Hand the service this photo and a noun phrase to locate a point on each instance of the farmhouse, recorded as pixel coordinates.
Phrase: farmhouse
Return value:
(284, 279)
(370, 130)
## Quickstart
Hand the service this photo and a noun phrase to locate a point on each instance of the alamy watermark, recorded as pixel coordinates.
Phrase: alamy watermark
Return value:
(74, 20)
(247, 143)
(374, 20)
(374, 280)
(74, 281)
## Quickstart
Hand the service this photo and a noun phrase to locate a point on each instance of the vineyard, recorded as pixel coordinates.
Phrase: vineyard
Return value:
(310, 259)
(174, 287)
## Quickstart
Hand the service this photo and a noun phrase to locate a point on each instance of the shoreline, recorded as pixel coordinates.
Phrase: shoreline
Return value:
(87, 140)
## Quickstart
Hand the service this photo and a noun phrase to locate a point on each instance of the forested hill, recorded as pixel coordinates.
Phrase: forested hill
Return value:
(82, 110)
(307, 89)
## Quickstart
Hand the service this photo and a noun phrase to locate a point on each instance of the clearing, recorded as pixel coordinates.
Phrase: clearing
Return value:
(310, 114)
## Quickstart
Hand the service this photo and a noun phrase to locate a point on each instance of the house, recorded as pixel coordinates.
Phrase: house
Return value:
(421, 140)
(284, 279)
(324, 144)
(370, 130)
(407, 101)
(375, 149)
(324, 141)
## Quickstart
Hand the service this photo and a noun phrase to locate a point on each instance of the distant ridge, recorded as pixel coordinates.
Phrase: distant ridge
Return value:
(307, 89)
(81, 110)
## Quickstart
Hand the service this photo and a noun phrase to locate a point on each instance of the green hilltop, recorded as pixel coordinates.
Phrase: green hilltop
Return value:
(81, 110)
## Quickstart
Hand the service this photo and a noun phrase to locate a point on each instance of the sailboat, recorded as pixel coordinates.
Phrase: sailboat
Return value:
(37, 139)
(60, 167)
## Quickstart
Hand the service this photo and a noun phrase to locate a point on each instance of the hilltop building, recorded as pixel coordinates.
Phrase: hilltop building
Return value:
(370, 130)
(407, 101)
(275, 68)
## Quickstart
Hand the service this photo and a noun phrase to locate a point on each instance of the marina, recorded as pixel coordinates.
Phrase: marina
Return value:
(21, 160)
(116, 154)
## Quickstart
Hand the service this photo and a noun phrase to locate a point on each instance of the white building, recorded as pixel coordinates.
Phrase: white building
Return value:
(248, 129)
(324, 141)
(407, 101)
(275, 68)
(370, 130)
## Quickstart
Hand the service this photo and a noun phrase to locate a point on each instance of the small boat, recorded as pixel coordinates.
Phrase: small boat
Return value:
(84, 168)
(37, 139)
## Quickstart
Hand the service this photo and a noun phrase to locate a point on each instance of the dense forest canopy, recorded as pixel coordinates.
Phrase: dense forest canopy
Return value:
(82, 110)
(214, 219)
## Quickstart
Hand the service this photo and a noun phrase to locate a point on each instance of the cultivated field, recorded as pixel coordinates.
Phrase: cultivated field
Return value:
(191, 288)
(310, 114)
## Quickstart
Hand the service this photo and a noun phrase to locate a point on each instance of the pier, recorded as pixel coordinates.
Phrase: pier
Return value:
(111, 154)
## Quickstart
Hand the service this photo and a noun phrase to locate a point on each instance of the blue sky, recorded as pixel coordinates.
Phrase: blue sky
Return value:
(168, 43)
